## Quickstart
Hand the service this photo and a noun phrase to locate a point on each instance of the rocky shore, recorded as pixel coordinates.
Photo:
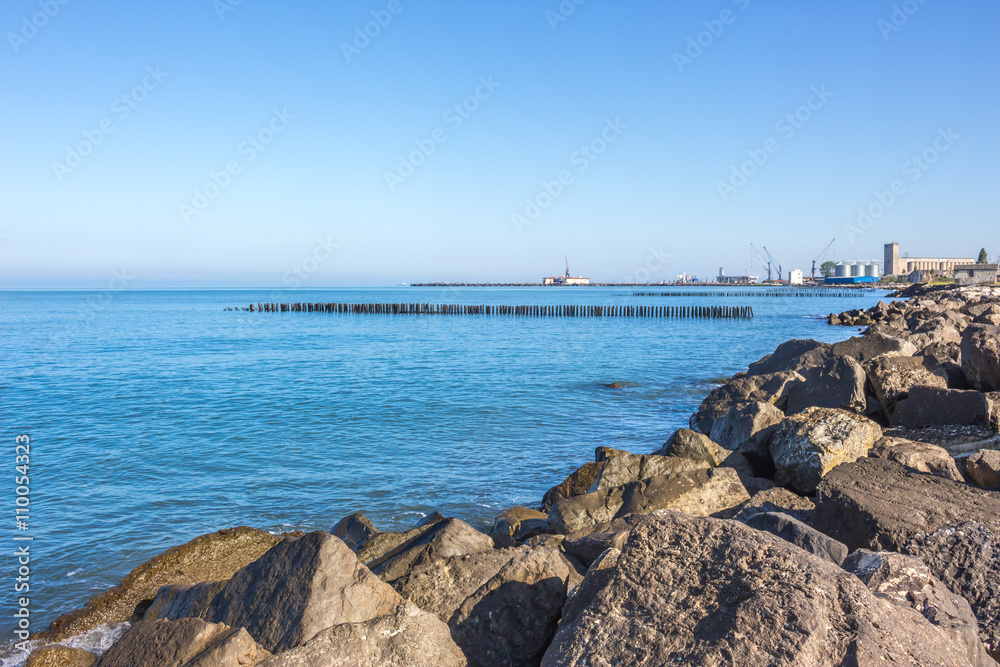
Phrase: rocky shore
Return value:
(832, 505)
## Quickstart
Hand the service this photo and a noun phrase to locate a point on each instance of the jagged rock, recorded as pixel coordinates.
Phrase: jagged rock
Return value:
(981, 356)
(771, 388)
(697, 492)
(588, 544)
(627, 468)
(919, 456)
(794, 531)
(906, 581)
(60, 656)
(379, 545)
(984, 467)
(576, 484)
(513, 526)
(839, 383)
(863, 348)
(948, 357)
(298, 588)
(806, 446)
(210, 557)
(173, 602)
(930, 406)
(714, 592)
(584, 512)
(694, 446)
(510, 620)
(451, 537)
(954, 528)
(354, 529)
(778, 500)
(599, 573)
(792, 355)
(892, 377)
(188, 642)
(410, 637)
(602, 453)
(742, 421)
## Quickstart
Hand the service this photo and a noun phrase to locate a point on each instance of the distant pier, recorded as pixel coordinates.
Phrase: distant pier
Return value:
(663, 312)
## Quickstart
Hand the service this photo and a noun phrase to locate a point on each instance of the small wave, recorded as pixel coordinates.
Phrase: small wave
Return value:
(95, 641)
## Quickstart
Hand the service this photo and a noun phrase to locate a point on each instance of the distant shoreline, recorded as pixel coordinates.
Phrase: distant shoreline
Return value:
(593, 284)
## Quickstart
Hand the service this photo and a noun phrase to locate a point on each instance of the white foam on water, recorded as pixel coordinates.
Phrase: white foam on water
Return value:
(95, 641)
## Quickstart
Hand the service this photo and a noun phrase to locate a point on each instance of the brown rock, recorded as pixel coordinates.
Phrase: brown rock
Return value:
(919, 456)
(173, 602)
(188, 642)
(694, 446)
(513, 526)
(696, 492)
(770, 388)
(778, 500)
(626, 468)
(60, 656)
(576, 484)
(211, 557)
(584, 512)
(931, 406)
(984, 467)
(839, 383)
(743, 421)
(451, 537)
(892, 377)
(354, 529)
(981, 356)
(863, 348)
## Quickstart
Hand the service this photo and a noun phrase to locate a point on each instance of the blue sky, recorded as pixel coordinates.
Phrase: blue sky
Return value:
(642, 139)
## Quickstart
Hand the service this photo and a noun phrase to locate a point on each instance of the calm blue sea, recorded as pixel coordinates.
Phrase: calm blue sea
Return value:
(156, 416)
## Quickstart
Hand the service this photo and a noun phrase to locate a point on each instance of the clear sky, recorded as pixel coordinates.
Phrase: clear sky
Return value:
(252, 143)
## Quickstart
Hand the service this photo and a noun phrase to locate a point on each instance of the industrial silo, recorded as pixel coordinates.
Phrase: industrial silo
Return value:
(857, 270)
(871, 270)
(842, 270)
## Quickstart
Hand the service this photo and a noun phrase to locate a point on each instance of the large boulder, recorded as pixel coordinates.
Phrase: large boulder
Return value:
(906, 581)
(984, 467)
(771, 388)
(588, 544)
(576, 483)
(377, 546)
(60, 656)
(892, 377)
(298, 588)
(409, 637)
(799, 534)
(930, 406)
(806, 446)
(694, 446)
(173, 602)
(516, 524)
(211, 557)
(354, 529)
(743, 421)
(839, 383)
(954, 528)
(705, 591)
(697, 492)
(586, 511)
(792, 355)
(919, 456)
(511, 619)
(627, 468)
(188, 642)
(981, 356)
(451, 537)
(863, 348)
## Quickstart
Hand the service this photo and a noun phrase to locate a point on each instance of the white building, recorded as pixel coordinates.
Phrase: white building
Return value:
(795, 277)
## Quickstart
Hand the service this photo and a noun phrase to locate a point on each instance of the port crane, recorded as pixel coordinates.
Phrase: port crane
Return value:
(820, 257)
(768, 253)
(763, 263)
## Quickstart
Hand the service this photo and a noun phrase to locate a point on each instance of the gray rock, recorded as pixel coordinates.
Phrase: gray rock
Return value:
(906, 581)
(839, 383)
(956, 440)
(627, 468)
(451, 537)
(806, 446)
(930, 406)
(713, 592)
(771, 388)
(743, 421)
(585, 512)
(919, 456)
(588, 544)
(516, 524)
(602, 453)
(173, 602)
(792, 355)
(298, 588)
(694, 446)
(892, 377)
(984, 467)
(863, 348)
(954, 528)
(778, 500)
(511, 619)
(379, 545)
(598, 575)
(576, 483)
(696, 492)
(188, 642)
(799, 534)
(981, 356)
(354, 529)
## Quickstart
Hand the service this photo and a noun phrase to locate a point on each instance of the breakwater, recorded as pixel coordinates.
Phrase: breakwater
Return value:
(501, 310)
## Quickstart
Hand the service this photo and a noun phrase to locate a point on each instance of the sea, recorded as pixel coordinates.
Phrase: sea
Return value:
(158, 416)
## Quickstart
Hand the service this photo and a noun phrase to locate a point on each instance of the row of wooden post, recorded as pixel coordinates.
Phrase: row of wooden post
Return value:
(703, 312)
